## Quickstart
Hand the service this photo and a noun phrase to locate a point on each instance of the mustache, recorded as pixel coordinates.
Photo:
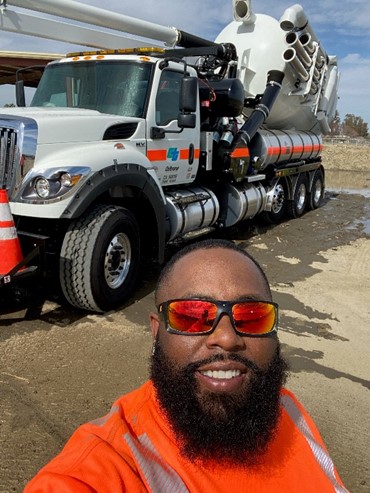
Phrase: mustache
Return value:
(192, 367)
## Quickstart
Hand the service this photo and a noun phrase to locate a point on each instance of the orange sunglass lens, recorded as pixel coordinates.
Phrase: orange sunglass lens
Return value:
(254, 318)
(191, 315)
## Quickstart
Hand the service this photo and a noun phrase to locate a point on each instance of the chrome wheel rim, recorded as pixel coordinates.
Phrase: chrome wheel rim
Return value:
(117, 260)
(278, 199)
(301, 196)
(318, 192)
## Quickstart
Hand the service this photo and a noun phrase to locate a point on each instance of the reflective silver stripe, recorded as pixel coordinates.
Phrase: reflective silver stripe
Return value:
(159, 475)
(320, 454)
(8, 233)
(103, 420)
(5, 213)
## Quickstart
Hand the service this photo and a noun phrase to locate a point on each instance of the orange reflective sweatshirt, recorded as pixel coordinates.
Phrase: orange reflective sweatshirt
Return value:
(133, 450)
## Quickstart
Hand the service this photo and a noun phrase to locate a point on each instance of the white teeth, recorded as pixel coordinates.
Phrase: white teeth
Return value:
(221, 374)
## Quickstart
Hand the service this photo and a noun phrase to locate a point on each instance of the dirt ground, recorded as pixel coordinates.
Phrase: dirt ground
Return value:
(60, 367)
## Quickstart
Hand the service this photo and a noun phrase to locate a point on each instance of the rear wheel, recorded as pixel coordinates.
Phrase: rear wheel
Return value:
(297, 206)
(278, 205)
(317, 190)
(99, 259)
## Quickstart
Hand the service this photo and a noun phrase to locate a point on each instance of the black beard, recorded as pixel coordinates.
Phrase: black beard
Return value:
(233, 428)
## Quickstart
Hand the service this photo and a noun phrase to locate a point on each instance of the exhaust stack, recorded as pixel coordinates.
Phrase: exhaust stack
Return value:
(295, 19)
(290, 56)
(306, 42)
(242, 10)
(304, 55)
(294, 41)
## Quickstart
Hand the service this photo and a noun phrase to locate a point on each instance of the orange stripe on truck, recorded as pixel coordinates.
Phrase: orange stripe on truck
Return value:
(185, 153)
(161, 154)
(157, 155)
(240, 152)
(272, 151)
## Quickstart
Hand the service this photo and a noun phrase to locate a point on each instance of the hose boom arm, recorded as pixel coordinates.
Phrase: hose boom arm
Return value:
(69, 9)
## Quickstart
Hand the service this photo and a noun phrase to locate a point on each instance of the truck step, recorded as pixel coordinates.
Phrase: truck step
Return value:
(190, 199)
(253, 178)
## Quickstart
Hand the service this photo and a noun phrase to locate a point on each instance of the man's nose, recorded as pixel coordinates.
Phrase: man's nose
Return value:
(225, 336)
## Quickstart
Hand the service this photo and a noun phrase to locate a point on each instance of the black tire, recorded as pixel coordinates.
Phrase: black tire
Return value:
(296, 207)
(99, 259)
(278, 205)
(317, 190)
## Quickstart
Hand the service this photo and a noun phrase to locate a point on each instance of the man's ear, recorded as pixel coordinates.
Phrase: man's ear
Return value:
(154, 323)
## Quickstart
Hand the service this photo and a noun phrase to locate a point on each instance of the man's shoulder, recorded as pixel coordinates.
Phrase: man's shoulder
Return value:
(291, 403)
(297, 412)
(99, 445)
(102, 434)
(287, 396)
(125, 409)
(286, 392)
(136, 399)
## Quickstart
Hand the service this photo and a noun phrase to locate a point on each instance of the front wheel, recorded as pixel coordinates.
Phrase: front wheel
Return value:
(99, 259)
(317, 190)
(297, 206)
(278, 205)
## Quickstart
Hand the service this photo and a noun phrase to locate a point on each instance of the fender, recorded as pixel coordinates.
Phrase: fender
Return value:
(124, 174)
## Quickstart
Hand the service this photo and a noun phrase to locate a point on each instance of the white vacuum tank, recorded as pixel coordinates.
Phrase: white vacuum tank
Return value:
(307, 100)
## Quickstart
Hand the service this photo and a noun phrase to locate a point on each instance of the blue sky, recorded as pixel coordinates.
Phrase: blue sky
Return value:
(343, 28)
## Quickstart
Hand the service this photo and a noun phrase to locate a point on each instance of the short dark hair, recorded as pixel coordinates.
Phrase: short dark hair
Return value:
(205, 245)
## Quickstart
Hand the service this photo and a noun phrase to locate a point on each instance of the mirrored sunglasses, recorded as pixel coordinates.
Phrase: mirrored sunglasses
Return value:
(201, 316)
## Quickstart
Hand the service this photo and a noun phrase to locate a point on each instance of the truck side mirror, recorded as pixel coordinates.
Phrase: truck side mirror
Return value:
(188, 95)
(20, 97)
(187, 120)
(188, 102)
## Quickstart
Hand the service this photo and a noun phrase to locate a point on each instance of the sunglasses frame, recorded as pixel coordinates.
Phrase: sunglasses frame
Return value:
(222, 307)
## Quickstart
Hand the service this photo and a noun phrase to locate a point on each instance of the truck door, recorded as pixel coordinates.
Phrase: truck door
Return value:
(175, 156)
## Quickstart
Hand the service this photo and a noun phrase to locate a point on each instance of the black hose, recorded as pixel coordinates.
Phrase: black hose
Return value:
(188, 40)
(262, 109)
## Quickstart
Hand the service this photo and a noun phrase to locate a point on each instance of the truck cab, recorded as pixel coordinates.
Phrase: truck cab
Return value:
(133, 86)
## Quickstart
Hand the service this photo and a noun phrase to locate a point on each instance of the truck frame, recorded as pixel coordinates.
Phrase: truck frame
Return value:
(126, 150)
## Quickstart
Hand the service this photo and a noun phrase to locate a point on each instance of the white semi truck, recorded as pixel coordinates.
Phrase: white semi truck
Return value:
(123, 151)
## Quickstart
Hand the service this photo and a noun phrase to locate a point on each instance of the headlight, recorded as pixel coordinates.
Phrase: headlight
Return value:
(66, 180)
(49, 185)
(42, 188)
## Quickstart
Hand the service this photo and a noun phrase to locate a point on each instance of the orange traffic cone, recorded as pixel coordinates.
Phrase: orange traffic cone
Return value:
(10, 248)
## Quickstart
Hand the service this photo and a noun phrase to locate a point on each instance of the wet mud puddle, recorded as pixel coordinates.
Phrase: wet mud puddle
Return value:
(351, 182)
(356, 182)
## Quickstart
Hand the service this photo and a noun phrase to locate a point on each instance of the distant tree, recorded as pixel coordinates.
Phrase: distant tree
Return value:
(336, 125)
(355, 126)
(9, 105)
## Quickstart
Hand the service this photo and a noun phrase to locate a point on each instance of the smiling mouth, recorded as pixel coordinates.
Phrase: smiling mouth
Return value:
(221, 374)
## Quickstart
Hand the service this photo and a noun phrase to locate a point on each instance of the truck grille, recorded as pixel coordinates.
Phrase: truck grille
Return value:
(8, 155)
(18, 142)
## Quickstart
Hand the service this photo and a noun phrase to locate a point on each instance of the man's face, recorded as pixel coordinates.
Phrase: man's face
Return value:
(225, 275)
(220, 379)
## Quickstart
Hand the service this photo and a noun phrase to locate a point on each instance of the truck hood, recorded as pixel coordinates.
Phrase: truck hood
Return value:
(66, 125)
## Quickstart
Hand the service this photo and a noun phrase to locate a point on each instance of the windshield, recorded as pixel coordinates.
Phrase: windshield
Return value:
(109, 86)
